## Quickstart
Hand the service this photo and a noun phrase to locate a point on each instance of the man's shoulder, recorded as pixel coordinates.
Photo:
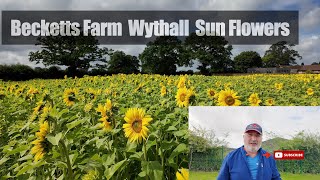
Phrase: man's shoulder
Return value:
(234, 152)
(265, 152)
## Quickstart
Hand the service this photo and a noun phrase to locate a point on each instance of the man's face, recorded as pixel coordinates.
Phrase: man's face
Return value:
(252, 141)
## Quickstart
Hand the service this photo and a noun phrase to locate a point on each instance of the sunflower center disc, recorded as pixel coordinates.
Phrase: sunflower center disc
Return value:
(212, 93)
(254, 100)
(41, 107)
(137, 126)
(183, 97)
(230, 100)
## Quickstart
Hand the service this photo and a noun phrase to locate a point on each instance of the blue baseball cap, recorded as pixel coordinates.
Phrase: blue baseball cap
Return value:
(254, 127)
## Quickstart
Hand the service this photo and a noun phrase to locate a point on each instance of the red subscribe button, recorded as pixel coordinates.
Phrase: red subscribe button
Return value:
(288, 155)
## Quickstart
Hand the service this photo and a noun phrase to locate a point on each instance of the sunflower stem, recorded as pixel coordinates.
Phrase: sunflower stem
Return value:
(145, 153)
(63, 154)
(145, 150)
(70, 173)
(157, 152)
(162, 161)
(114, 123)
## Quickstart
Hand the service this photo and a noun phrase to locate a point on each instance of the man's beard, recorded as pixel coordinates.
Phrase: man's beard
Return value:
(251, 148)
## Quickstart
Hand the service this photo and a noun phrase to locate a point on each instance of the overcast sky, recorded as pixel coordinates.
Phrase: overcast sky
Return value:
(309, 22)
(280, 121)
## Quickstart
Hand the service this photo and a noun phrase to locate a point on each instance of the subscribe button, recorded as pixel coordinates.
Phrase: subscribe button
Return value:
(288, 155)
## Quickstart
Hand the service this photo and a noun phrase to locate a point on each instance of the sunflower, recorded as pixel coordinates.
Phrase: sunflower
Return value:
(69, 96)
(139, 87)
(91, 175)
(310, 91)
(105, 123)
(212, 93)
(136, 124)
(227, 85)
(228, 98)
(254, 99)
(92, 94)
(19, 92)
(88, 107)
(39, 107)
(107, 91)
(108, 105)
(184, 175)
(163, 91)
(314, 104)
(102, 109)
(46, 114)
(278, 86)
(182, 82)
(14, 87)
(270, 102)
(147, 90)
(183, 96)
(31, 92)
(40, 144)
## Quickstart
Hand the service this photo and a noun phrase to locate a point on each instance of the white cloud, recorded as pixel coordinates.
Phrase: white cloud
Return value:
(9, 57)
(134, 5)
(133, 50)
(231, 4)
(237, 49)
(310, 20)
(35, 5)
(256, 5)
(309, 49)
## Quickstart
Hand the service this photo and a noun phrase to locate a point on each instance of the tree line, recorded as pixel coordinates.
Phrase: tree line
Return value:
(20, 72)
(210, 54)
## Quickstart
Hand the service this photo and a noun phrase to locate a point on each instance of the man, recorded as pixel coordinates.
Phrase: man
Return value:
(249, 162)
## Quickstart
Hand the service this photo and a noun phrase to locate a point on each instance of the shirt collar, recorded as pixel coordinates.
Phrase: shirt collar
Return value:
(243, 151)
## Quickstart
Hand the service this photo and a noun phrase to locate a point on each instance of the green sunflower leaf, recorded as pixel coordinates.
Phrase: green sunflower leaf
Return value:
(54, 140)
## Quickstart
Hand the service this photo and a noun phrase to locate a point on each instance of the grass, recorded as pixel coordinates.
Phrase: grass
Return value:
(200, 175)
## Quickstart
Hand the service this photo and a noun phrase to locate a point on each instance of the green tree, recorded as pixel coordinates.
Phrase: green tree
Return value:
(16, 72)
(75, 52)
(212, 52)
(280, 53)
(247, 59)
(163, 55)
(122, 63)
(205, 142)
(310, 144)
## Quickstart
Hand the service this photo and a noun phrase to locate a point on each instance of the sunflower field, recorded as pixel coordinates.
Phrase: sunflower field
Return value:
(122, 126)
